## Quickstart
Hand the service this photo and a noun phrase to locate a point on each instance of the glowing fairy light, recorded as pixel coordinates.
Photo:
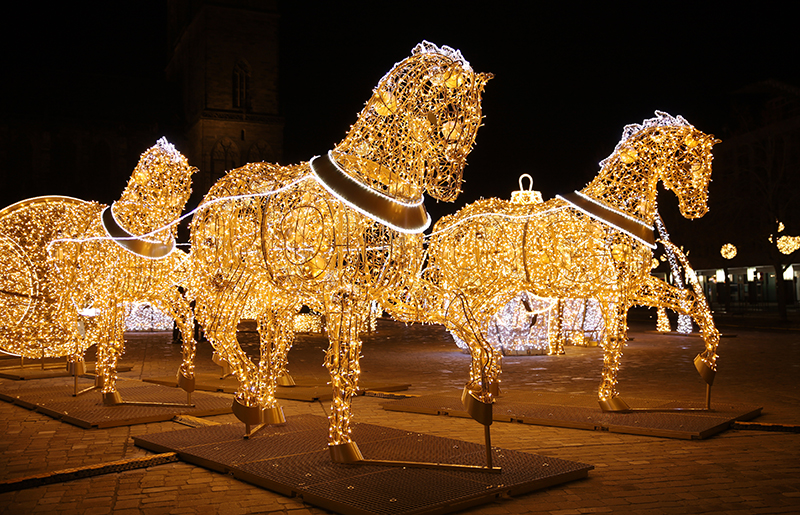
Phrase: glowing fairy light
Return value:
(684, 320)
(788, 244)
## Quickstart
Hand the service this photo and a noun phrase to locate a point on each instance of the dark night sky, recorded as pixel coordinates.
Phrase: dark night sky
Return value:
(567, 78)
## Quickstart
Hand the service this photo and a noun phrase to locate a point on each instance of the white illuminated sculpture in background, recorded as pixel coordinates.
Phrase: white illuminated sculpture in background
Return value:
(595, 244)
(335, 233)
(684, 320)
(144, 316)
(532, 325)
(70, 266)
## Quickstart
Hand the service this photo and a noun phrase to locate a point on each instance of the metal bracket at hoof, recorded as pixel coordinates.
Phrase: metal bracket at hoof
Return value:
(255, 416)
(614, 404)
(345, 453)
(112, 398)
(76, 368)
(285, 380)
(186, 383)
(705, 371)
(477, 409)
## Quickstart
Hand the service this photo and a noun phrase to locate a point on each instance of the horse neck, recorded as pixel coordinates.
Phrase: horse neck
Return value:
(631, 190)
(139, 217)
(370, 151)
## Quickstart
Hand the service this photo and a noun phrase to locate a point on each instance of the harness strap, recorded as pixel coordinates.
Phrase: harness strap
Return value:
(633, 228)
(131, 243)
(403, 217)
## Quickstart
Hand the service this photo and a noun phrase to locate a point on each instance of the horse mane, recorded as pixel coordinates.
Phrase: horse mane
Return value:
(426, 47)
(661, 119)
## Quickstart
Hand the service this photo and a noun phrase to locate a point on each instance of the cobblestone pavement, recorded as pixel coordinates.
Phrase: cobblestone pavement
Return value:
(736, 472)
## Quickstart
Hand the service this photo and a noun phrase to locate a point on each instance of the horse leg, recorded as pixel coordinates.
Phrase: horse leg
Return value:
(110, 347)
(655, 292)
(614, 341)
(344, 317)
(181, 312)
(276, 337)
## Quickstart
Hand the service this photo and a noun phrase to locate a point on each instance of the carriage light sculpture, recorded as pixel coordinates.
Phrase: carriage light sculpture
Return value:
(73, 264)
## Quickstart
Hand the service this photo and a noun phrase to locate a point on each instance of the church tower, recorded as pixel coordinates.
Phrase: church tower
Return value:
(223, 66)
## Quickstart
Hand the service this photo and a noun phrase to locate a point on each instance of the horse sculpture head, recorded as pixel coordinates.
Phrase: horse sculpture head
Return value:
(679, 153)
(418, 127)
(663, 148)
(156, 192)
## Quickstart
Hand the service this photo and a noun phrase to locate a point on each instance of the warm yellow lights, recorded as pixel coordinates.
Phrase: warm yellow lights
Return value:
(336, 234)
(73, 270)
(788, 244)
(595, 244)
(728, 251)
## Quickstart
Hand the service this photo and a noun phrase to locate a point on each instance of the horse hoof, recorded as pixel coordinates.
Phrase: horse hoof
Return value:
(273, 416)
(705, 371)
(614, 404)
(285, 380)
(345, 453)
(112, 398)
(187, 383)
(477, 409)
(250, 415)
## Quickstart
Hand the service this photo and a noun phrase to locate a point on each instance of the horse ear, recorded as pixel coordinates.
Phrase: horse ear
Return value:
(483, 78)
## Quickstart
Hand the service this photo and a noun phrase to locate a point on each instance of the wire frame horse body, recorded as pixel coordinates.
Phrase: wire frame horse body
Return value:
(335, 233)
(70, 265)
(593, 244)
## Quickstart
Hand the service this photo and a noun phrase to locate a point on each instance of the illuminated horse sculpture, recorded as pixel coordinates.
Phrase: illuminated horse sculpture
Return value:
(334, 233)
(69, 266)
(593, 244)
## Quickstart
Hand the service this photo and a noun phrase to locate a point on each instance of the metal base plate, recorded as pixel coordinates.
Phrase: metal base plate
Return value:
(583, 412)
(305, 389)
(294, 460)
(53, 397)
(35, 371)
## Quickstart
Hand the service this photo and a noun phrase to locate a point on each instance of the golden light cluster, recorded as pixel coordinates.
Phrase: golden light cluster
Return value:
(75, 264)
(788, 244)
(594, 244)
(335, 234)
(728, 251)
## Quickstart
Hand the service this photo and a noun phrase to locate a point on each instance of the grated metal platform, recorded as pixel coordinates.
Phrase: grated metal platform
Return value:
(293, 460)
(53, 397)
(582, 412)
(306, 389)
(50, 370)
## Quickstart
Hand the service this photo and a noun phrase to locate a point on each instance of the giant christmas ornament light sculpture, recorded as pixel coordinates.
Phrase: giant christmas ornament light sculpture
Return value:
(334, 233)
(595, 243)
(71, 265)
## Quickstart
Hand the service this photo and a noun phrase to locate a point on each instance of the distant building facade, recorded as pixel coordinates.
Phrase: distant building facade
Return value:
(224, 61)
(82, 135)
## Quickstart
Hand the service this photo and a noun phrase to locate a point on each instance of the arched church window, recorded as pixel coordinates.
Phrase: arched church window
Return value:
(241, 85)
(224, 157)
(260, 151)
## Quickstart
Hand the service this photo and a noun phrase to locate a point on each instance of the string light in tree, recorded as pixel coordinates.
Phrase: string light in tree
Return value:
(728, 251)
